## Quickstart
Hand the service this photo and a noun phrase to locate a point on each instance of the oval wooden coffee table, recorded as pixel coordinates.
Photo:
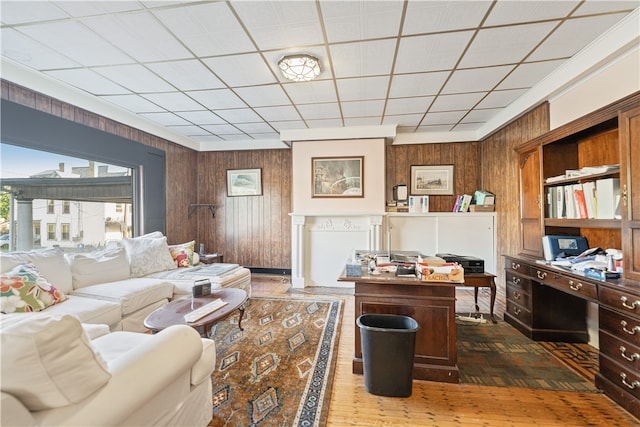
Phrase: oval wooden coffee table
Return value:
(173, 312)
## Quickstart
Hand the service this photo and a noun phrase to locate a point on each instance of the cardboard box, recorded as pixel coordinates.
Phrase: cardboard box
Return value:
(448, 273)
(482, 208)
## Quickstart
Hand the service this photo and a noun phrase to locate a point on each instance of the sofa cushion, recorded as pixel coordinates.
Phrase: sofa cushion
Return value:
(182, 254)
(89, 310)
(131, 294)
(48, 361)
(23, 289)
(148, 255)
(50, 262)
(99, 267)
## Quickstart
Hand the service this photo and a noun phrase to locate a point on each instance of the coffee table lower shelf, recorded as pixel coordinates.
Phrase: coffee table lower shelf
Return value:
(173, 312)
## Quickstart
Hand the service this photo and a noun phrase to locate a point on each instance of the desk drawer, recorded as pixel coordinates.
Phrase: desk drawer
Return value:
(621, 376)
(516, 266)
(566, 284)
(622, 352)
(517, 281)
(518, 296)
(626, 328)
(519, 312)
(620, 300)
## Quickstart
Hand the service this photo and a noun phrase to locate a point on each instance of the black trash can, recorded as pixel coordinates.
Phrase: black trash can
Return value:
(388, 344)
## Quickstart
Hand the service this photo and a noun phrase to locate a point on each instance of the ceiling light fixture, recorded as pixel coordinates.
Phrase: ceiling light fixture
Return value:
(299, 68)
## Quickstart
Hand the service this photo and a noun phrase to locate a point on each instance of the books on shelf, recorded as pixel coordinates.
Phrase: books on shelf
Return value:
(599, 199)
(583, 172)
(462, 203)
(608, 198)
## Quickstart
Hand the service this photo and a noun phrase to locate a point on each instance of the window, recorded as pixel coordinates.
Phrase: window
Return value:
(119, 208)
(36, 233)
(66, 207)
(51, 204)
(66, 231)
(51, 232)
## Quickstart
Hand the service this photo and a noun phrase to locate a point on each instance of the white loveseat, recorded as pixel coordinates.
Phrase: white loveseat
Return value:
(54, 375)
(118, 286)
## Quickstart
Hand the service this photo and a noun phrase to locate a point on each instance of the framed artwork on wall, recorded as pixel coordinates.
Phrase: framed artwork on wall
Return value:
(244, 182)
(337, 176)
(428, 180)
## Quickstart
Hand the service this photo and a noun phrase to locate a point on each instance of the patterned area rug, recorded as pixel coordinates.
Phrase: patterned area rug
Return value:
(278, 371)
(499, 355)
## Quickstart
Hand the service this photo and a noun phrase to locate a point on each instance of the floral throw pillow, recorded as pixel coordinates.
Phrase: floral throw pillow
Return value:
(23, 289)
(182, 254)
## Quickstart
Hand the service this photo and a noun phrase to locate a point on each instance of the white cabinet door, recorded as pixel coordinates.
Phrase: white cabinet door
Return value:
(469, 235)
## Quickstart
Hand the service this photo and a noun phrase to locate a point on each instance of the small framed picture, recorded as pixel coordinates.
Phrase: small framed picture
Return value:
(337, 176)
(244, 182)
(437, 180)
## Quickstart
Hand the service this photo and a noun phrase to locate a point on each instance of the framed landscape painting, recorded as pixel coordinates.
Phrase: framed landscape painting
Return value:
(244, 182)
(337, 176)
(427, 180)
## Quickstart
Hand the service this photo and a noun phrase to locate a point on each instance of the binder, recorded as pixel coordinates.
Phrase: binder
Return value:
(581, 202)
(560, 202)
(607, 197)
(589, 189)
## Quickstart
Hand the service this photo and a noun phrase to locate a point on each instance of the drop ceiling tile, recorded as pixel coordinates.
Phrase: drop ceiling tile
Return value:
(20, 12)
(362, 88)
(407, 85)
(249, 128)
(241, 70)
(166, 119)
(264, 135)
(91, 8)
(186, 75)
(461, 101)
(527, 75)
(293, 124)
(504, 45)
(239, 115)
(262, 96)
(363, 108)
(573, 35)
(206, 29)
(444, 118)
(409, 120)
(477, 116)
(134, 103)
(431, 53)
(350, 20)
(311, 92)
(363, 58)
(435, 16)
(174, 101)
(501, 98)
(328, 110)
(417, 104)
(76, 42)
(217, 99)
(278, 25)
(189, 130)
(590, 7)
(326, 123)
(87, 80)
(477, 79)
(201, 117)
(362, 121)
(284, 112)
(22, 49)
(136, 78)
(225, 129)
(509, 12)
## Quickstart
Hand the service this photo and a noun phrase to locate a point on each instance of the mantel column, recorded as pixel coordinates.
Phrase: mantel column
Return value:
(297, 251)
(375, 233)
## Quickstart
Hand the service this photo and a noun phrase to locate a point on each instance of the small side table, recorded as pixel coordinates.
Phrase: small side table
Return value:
(481, 280)
(211, 258)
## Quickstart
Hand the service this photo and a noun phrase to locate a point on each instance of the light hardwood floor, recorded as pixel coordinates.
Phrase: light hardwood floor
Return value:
(440, 404)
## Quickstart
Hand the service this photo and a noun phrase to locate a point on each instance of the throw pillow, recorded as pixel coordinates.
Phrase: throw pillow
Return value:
(23, 289)
(147, 256)
(109, 265)
(50, 262)
(48, 361)
(182, 254)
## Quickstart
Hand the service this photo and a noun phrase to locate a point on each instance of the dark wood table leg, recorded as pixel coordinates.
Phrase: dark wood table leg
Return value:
(475, 294)
(241, 308)
(492, 284)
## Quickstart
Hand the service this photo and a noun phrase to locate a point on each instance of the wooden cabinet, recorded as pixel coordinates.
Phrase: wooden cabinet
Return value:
(530, 202)
(629, 123)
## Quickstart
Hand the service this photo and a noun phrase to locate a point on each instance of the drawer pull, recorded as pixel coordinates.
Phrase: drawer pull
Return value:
(516, 295)
(541, 274)
(632, 306)
(575, 287)
(634, 356)
(516, 311)
(515, 280)
(633, 331)
(632, 385)
(515, 266)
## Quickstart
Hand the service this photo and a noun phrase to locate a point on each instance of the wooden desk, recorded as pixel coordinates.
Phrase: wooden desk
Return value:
(432, 305)
(481, 280)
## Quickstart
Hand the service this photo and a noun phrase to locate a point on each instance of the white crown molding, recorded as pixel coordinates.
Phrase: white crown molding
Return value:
(337, 133)
(250, 144)
(435, 137)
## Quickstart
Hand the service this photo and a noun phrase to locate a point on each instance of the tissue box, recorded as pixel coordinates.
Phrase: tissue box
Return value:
(353, 269)
(448, 273)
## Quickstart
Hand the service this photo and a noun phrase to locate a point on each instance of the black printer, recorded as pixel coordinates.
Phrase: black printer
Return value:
(469, 263)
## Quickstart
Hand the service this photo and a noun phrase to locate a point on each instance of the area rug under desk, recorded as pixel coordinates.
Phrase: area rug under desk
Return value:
(498, 355)
(279, 370)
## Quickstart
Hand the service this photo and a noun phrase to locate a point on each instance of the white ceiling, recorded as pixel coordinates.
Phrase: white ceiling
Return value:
(206, 71)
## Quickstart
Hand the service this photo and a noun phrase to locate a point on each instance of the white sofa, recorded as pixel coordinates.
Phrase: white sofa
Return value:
(54, 375)
(118, 286)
